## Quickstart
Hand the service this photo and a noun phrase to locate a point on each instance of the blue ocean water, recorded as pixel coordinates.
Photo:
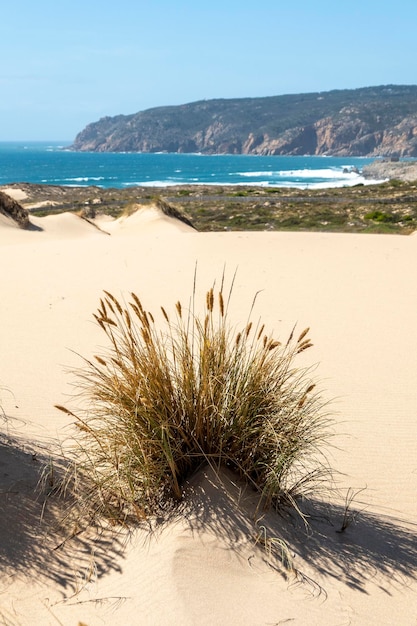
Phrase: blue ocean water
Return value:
(50, 163)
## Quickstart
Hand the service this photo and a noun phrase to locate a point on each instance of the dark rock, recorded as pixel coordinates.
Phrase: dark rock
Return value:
(12, 209)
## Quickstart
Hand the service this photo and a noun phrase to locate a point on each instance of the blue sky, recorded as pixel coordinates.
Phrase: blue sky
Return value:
(65, 64)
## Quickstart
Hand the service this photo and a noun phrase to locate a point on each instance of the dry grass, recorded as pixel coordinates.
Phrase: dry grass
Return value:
(164, 399)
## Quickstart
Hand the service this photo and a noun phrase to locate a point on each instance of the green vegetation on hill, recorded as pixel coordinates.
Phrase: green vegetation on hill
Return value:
(367, 121)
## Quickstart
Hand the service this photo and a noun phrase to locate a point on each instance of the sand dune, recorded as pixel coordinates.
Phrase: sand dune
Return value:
(64, 226)
(15, 193)
(7, 222)
(70, 225)
(358, 294)
(144, 219)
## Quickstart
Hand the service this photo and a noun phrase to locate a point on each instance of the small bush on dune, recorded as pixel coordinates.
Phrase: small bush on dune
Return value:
(165, 400)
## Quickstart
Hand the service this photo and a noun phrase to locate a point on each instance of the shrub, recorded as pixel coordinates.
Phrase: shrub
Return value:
(379, 216)
(163, 402)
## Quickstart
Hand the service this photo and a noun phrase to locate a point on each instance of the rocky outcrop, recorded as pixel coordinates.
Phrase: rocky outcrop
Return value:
(383, 169)
(372, 121)
(13, 210)
(401, 139)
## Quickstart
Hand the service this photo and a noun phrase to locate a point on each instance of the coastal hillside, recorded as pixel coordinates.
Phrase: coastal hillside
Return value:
(369, 121)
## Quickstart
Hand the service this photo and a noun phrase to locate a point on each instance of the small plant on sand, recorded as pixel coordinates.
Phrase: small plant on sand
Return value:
(349, 515)
(164, 399)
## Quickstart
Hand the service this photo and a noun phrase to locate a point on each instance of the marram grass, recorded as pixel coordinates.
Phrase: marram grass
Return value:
(166, 398)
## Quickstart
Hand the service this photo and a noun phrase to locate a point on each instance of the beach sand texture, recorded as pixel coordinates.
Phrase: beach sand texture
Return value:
(358, 293)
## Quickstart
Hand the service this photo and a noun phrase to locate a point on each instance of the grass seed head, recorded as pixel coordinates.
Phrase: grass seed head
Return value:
(221, 304)
(303, 334)
(165, 314)
(137, 301)
(304, 346)
(273, 344)
(210, 300)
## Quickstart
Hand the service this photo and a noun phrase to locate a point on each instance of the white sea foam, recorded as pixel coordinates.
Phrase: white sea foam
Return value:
(84, 179)
(325, 185)
(153, 183)
(328, 173)
(263, 183)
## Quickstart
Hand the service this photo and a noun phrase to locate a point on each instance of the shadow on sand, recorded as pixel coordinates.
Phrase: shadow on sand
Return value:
(373, 549)
(32, 543)
(34, 227)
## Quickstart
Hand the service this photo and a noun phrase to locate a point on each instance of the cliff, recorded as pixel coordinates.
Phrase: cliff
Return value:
(370, 121)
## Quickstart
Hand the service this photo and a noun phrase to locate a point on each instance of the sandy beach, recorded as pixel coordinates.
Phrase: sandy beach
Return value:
(358, 294)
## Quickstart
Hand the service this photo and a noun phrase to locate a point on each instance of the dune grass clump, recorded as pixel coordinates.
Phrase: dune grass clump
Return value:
(166, 397)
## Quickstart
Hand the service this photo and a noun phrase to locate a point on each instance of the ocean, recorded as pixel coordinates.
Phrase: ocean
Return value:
(49, 163)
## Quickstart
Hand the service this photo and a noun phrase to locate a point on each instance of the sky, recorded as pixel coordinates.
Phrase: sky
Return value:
(66, 64)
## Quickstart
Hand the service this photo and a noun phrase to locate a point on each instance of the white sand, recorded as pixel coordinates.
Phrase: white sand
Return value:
(15, 193)
(359, 295)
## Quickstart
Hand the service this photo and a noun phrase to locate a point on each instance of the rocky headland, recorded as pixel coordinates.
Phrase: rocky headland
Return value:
(371, 121)
(384, 169)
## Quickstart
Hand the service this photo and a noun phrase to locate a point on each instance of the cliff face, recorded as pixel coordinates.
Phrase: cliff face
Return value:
(362, 122)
